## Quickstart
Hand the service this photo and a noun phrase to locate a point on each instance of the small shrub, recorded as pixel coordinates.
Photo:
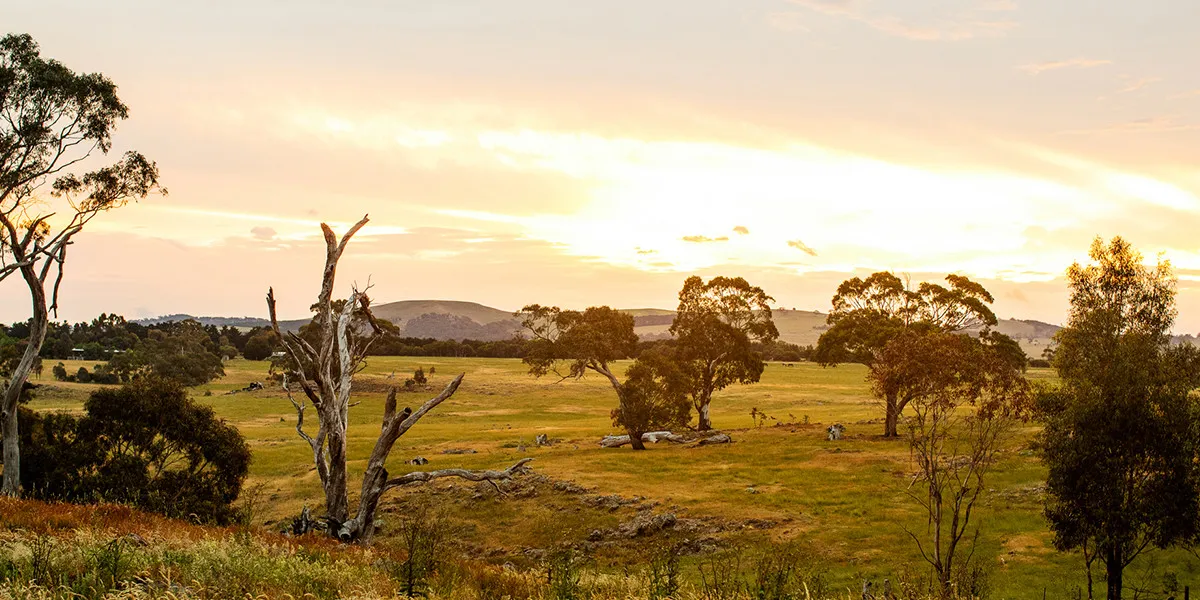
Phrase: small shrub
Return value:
(497, 583)
(664, 572)
(421, 535)
(721, 575)
(564, 570)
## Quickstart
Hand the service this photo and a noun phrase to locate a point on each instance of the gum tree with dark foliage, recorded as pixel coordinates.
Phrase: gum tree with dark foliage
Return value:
(717, 324)
(1121, 437)
(51, 120)
(323, 361)
(181, 351)
(869, 313)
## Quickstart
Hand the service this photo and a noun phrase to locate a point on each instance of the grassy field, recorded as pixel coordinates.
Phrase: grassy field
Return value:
(781, 481)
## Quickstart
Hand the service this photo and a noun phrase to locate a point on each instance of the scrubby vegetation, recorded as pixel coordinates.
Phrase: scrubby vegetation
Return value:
(146, 444)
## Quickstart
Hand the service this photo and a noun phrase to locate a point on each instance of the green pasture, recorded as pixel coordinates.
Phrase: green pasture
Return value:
(847, 499)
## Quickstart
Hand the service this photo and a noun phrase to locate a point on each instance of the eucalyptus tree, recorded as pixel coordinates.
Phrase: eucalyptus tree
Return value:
(716, 326)
(1121, 439)
(869, 313)
(53, 121)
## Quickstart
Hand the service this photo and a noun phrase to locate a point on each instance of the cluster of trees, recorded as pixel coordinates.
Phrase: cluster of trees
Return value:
(109, 334)
(1121, 436)
(715, 329)
(185, 351)
(395, 345)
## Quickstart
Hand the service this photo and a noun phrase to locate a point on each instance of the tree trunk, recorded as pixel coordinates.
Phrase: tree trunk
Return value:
(1114, 566)
(705, 421)
(635, 440)
(11, 486)
(337, 503)
(12, 457)
(892, 418)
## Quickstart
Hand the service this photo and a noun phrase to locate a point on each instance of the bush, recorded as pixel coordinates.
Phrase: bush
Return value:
(60, 372)
(145, 444)
(260, 346)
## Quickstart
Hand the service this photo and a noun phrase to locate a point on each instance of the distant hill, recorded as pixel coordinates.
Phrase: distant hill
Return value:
(399, 313)
(456, 320)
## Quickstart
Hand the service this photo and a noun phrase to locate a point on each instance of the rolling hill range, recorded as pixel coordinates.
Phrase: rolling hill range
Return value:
(450, 319)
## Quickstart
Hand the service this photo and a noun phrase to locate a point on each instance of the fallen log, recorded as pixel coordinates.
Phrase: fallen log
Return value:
(653, 437)
(616, 441)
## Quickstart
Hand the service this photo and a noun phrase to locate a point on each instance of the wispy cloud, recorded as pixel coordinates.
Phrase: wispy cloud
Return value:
(741, 230)
(263, 233)
(786, 21)
(1138, 84)
(1070, 63)
(704, 239)
(801, 246)
(1161, 124)
(974, 21)
(1187, 94)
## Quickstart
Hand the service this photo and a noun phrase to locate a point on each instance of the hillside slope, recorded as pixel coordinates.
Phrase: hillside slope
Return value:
(452, 319)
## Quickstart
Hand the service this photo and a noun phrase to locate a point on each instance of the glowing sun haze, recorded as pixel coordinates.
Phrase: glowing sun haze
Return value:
(586, 153)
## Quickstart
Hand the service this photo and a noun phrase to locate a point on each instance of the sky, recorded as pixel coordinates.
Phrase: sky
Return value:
(584, 153)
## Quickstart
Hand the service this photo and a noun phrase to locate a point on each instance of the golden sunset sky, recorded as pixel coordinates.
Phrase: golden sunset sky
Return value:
(586, 152)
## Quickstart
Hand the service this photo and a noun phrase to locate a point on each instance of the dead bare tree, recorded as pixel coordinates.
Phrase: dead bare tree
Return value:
(966, 399)
(324, 366)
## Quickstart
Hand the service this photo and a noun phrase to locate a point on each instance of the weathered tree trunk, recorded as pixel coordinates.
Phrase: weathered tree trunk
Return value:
(337, 504)
(11, 486)
(704, 421)
(1114, 565)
